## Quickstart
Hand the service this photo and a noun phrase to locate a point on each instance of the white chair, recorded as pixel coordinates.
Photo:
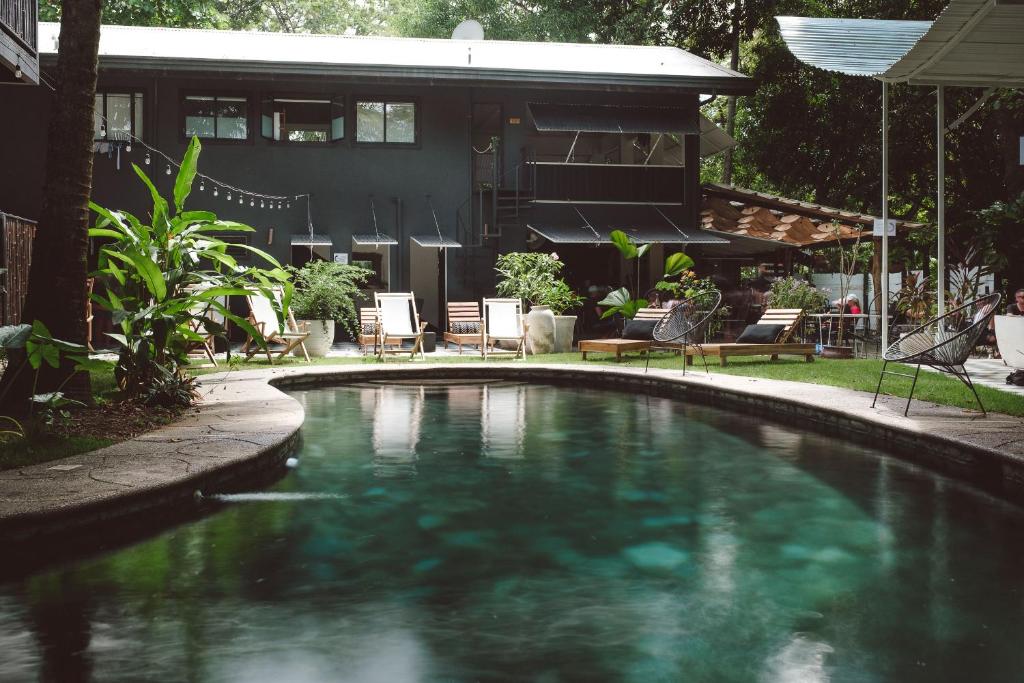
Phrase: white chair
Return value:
(397, 323)
(503, 321)
(1010, 339)
(264, 318)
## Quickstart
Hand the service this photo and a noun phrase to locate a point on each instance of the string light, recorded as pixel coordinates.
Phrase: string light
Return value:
(266, 200)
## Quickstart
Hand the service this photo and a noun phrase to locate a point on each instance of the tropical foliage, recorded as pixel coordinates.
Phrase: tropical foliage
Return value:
(325, 290)
(535, 277)
(620, 301)
(165, 284)
(791, 292)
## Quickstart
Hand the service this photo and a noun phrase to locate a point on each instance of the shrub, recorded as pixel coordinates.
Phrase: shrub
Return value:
(791, 292)
(325, 290)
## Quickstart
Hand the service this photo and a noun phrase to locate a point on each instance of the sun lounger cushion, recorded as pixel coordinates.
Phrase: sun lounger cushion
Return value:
(640, 330)
(760, 334)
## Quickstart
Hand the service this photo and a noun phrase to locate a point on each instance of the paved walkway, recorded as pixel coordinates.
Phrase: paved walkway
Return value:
(243, 418)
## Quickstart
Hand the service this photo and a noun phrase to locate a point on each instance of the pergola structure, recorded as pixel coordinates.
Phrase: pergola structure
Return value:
(973, 43)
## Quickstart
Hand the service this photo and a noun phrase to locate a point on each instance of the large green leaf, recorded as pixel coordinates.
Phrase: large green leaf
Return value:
(623, 244)
(677, 263)
(160, 210)
(630, 308)
(617, 298)
(642, 249)
(186, 174)
(14, 336)
(148, 272)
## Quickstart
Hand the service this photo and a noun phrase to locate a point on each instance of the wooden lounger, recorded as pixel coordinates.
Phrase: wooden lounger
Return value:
(790, 317)
(463, 315)
(620, 346)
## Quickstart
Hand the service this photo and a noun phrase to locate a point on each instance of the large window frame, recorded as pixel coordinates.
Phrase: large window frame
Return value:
(336, 124)
(216, 95)
(385, 101)
(137, 115)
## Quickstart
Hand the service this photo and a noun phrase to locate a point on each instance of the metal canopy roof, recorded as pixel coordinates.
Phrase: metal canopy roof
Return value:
(374, 240)
(610, 118)
(712, 138)
(435, 241)
(973, 43)
(593, 224)
(307, 240)
(510, 62)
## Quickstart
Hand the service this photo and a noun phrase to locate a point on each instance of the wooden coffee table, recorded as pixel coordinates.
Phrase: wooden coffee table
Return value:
(616, 346)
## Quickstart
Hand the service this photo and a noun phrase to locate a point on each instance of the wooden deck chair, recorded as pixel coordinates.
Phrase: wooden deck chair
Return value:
(788, 317)
(203, 310)
(397, 323)
(503, 321)
(367, 329)
(263, 318)
(464, 323)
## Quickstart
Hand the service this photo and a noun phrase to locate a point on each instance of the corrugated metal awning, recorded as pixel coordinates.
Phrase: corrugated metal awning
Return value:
(973, 43)
(593, 224)
(609, 118)
(374, 240)
(304, 239)
(435, 241)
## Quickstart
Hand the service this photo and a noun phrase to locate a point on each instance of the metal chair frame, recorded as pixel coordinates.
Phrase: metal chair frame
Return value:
(946, 356)
(667, 330)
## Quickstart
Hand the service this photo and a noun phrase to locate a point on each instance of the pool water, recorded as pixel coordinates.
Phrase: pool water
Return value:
(511, 532)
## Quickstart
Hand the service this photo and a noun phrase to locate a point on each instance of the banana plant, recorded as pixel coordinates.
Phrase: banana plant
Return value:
(164, 281)
(620, 301)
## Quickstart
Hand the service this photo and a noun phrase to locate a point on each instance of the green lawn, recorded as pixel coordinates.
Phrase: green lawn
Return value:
(856, 374)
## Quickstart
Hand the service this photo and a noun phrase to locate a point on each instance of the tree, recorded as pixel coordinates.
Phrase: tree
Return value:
(56, 289)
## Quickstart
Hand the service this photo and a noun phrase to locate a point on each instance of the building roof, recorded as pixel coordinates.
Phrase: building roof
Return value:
(509, 62)
(593, 224)
(972, 43)
(739, 211)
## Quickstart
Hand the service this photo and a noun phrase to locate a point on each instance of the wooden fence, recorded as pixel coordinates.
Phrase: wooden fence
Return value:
(16, 251)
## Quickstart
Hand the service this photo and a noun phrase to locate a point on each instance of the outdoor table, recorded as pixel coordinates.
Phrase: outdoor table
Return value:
(855, 318)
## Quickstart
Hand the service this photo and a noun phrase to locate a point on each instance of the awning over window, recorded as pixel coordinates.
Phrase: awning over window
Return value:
(593, 224)
(609, 118)
(374, 240)
(315, 240)
(435, 241)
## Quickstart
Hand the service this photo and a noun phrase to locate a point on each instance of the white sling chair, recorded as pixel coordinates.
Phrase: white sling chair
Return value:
(264, 319)
(398, 322)
(503, 321)
(1010, 339)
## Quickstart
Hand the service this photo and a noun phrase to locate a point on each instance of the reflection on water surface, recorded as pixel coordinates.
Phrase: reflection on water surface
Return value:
(514, 532)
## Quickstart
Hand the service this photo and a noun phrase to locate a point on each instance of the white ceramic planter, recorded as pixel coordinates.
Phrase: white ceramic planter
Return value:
(541, 333)
(565, 327)
(321, 337)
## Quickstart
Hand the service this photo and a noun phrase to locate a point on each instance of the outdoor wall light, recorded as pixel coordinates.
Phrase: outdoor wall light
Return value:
(270, 236)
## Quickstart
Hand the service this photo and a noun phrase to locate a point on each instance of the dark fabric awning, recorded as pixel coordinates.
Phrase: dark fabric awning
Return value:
(593, 224)
(608, 118)
(435, 241)
(304, 239)
(374, 240)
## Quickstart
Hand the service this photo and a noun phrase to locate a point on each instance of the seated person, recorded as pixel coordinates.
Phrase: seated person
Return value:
(852, 306)
(1016, 307)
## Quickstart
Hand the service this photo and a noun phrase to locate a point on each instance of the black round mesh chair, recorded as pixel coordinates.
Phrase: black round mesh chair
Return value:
(686, 323)
(943, 343)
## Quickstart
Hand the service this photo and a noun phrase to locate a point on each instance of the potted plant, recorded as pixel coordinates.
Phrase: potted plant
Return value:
(325, 293)
(561, 298)
(533, 276)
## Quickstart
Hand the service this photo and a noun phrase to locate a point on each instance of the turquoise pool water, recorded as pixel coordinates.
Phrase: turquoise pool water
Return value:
(506, 532)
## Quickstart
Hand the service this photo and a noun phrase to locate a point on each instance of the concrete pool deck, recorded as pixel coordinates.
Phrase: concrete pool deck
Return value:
(246, 428)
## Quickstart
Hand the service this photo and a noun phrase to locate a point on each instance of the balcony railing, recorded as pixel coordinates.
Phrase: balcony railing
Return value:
(20, 19)
(620, 183)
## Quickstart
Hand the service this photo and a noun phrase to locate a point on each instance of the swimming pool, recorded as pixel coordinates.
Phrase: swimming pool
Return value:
(503, 531)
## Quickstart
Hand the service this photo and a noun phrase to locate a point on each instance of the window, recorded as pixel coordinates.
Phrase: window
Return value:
(299, 119)
(118, 116)
(386, 122)
(213, 116)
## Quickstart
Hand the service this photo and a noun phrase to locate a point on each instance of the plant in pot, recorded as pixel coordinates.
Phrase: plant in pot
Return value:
(560, 298)
(534, 277)
(325, 293)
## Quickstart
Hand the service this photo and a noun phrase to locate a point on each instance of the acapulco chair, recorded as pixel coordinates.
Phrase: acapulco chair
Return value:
(943, 343)
(686, 323)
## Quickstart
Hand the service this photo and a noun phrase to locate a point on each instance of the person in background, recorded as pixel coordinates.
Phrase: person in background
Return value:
(1016, 307)
(853, 305)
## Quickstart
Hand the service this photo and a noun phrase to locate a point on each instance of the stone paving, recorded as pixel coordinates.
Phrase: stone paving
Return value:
(243, 418)
(990, 372)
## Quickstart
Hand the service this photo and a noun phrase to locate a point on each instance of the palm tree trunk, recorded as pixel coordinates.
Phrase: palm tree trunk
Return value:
(56, 289)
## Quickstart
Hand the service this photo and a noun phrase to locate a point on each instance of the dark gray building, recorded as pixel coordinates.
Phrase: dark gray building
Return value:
(380, 150)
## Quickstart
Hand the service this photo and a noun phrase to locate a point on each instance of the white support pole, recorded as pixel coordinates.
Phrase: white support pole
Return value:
(940, 196)
(885, 216)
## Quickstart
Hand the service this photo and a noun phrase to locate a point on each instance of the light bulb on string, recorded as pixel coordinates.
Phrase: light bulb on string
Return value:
(128, 147)
(215, 192)
(252, 202)
(147, 158)
(168, 170)
(241, 200)
(262, 205)
(202, 186)
(289, 205)
(229, 195)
